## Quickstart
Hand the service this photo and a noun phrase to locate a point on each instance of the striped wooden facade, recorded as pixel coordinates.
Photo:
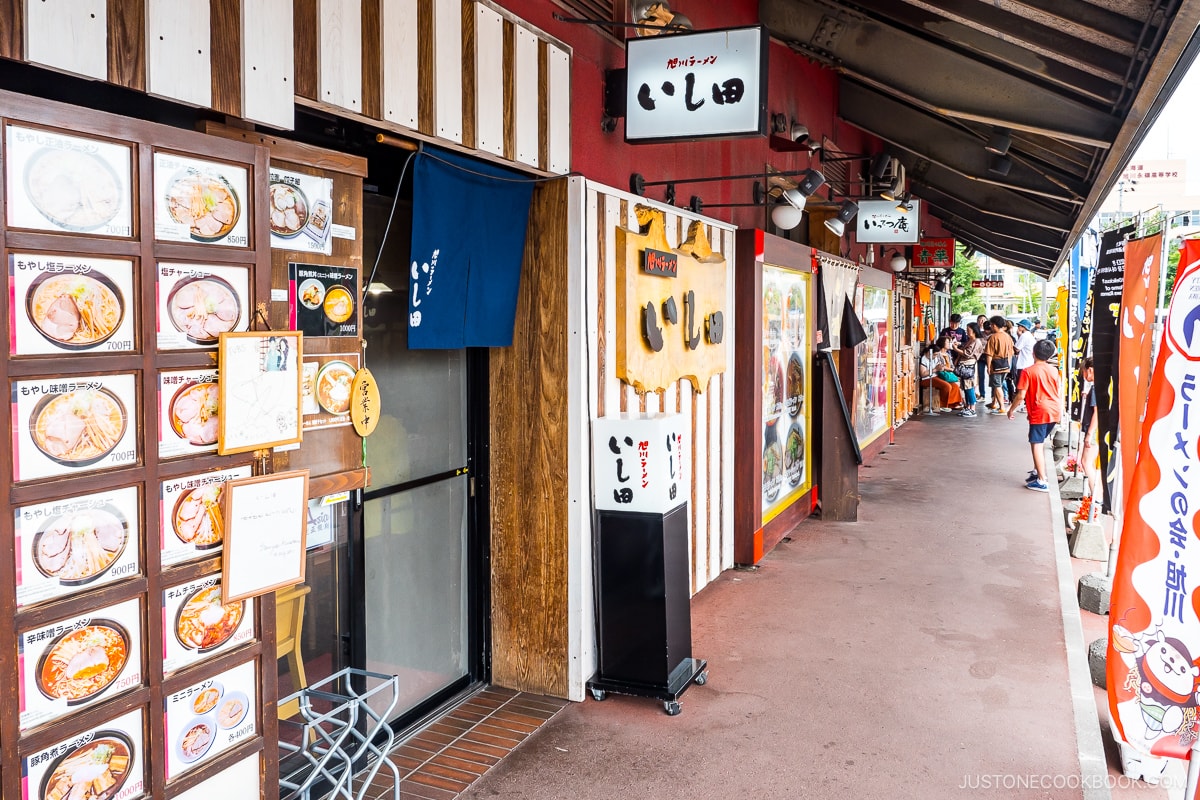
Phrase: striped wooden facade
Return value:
(708, 415)
(466, 74)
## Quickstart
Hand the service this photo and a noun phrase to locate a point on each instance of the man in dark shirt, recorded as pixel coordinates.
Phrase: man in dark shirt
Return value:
(957, 333)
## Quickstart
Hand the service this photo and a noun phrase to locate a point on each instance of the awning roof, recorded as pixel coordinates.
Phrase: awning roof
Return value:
(1077, 82)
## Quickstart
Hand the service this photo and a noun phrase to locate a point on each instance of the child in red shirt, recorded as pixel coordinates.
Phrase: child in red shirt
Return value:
(1040, 390)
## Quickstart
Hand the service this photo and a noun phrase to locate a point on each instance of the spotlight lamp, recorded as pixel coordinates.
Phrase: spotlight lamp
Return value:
(880, 165)
(837, 224)
(893, 190)
(904, 203)
(999, 142)
(799, 133)
(898, 262)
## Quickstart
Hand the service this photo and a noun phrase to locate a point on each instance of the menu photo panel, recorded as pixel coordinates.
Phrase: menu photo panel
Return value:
(106, 762)
(70, 304)
(209, 717)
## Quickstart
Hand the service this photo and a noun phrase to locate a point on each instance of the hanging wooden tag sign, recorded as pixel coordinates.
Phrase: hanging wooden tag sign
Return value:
(364, 403)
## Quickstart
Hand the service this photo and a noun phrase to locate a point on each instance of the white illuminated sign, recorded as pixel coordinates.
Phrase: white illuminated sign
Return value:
(685, 86)
(879, 221)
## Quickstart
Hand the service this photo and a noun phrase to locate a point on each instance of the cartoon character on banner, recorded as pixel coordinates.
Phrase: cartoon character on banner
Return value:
(1163, 683)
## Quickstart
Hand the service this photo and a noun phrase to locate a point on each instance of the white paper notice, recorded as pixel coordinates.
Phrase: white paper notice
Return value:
(268, 520)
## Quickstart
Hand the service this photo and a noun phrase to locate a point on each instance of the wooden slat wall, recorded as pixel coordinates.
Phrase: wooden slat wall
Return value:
(529, 471)
(68, 35)
(178, 51)
(466, 72)
(708, 415)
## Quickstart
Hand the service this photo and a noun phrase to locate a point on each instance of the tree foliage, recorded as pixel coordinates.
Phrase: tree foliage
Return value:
(970, 302)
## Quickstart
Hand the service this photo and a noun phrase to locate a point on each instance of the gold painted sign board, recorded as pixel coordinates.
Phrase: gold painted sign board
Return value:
(670, 326)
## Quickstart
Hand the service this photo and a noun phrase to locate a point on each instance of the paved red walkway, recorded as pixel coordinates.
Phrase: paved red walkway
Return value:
(917, 653)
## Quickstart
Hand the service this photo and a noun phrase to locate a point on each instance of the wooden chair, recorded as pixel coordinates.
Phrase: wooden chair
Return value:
(289, 620)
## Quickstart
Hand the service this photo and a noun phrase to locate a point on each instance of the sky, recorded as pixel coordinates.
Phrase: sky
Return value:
(1174, 132)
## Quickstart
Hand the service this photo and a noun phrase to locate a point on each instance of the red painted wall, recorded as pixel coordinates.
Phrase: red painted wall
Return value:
(797, 87)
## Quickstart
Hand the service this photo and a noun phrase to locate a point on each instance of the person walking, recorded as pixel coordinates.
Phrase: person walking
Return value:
(1038, 387)
(998, 353)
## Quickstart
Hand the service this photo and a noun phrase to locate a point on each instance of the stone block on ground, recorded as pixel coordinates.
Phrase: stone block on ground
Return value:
(1094, 593)
(1061, 437)
(1088, 542)
(1097, 652)
(1141, 767)
(1073, 488)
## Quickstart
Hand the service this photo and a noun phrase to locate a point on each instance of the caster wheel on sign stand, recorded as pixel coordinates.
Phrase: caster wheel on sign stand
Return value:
(672, 708)
(598, 694)
(702, 678)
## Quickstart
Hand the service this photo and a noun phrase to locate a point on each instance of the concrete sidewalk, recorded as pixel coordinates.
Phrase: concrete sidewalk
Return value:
(917, 653)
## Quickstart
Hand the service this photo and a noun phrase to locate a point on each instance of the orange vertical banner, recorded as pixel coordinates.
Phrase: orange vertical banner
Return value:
(1153, 665)
(1139, 299)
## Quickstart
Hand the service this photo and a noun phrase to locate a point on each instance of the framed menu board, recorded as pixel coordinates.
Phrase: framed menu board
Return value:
(267, 521)
(207, 718)
(259, 390)
(196, 200)
(111, 755)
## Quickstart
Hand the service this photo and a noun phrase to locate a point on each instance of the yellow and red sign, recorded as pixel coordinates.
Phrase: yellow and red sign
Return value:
(1154, 634)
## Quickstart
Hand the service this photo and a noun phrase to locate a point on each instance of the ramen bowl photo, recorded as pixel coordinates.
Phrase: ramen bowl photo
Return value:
(74, 190)
(77, 429)
(75, 312)
(93, 770)
(193, 412)
(77, 548)
(196, 517)
(203, 623)
(333, 387)
(206, 699)
(289, 209)
(204, 202)
(232, 710)
(203, 308)
(82, 662)
(339, 304)
(196, 739)
(311, 293)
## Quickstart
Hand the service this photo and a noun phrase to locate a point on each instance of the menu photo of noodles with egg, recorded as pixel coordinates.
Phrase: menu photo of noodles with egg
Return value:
(73, 663)
(67, 184)
(199, 302)
(196, 624)
(188, 412)
(200, 201)
(322, 299)
(192, 522)
(72, 424)
(104, 762)
(69, 304)
(209, 717)
(75, 544)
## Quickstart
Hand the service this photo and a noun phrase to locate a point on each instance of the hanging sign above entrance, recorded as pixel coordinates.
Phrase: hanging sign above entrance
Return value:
(880, 221)
(672, 322)
(710, 85)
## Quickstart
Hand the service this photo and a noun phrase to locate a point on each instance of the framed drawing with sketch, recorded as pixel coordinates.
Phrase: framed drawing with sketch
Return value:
(259, 390)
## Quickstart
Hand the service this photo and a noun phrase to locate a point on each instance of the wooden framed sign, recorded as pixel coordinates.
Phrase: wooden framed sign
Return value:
(260, 390)
(266, 521)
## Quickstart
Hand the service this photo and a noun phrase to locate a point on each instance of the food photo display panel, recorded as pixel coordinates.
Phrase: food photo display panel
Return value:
(199, 302)
(62, 183)
(192, 522)
(79, 543)
(325, 386)
(200, 201)
(209, 717)
(188, 412)
(301, 211)
(77, 662)
(69, 425)
(322, 299)
(106, 762)
(197, 625)
(67, 304)
(785, 389)
(259, 390)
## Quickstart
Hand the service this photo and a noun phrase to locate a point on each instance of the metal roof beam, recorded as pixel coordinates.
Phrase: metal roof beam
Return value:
(950, 145)
(1002, 201)
(1089, 16)
(1015, 230)
(933, 76)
